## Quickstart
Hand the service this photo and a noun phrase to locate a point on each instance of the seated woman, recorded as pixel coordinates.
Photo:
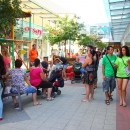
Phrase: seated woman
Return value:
(18, 78)
(38, 79)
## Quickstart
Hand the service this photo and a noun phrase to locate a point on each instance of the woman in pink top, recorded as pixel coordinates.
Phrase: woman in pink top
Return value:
(38, 79)
(6, 58)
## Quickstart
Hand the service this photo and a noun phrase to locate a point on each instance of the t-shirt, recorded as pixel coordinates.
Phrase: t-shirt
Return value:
(35, 78)
(33, 54)
(17, 79)
(44, 64)
(108, 69)
(121, 66)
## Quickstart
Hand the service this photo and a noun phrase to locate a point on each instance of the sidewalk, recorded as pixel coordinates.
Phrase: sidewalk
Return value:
(123, 113)
(66, 112)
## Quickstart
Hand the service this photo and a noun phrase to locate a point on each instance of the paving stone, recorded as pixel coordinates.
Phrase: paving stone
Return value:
(66, 112)
(109, 127)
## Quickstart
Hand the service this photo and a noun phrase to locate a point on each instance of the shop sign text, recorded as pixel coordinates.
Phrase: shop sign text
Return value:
(34, 30)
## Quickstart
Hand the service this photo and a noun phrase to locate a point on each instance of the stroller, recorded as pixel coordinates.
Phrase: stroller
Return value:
(57, 80)
(77, 74)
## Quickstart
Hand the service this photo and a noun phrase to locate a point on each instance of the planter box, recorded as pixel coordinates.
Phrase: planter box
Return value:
(71, 60)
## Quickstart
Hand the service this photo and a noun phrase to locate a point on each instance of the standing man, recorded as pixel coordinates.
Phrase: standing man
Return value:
(33, 54)
(108, 74)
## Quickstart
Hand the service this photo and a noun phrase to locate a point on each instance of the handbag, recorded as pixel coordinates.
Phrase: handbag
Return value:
(115, 71)
(127, 71)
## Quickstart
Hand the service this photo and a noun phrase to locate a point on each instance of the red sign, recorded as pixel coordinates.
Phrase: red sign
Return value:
(34, 30)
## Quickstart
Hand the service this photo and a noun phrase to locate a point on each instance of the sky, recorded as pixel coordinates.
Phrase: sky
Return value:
(90, 11)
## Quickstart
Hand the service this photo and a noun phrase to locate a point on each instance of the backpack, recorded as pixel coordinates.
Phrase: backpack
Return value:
(77, 66)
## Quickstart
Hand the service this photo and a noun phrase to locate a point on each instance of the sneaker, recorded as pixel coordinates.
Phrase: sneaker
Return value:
(50, 99)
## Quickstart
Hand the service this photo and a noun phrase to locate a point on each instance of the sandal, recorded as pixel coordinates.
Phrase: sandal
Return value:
(110, 97)
(50, 99)
(107, 102)
(124, 105)
(16, 105)
(84, 100)
(121, 104)
(38, 103)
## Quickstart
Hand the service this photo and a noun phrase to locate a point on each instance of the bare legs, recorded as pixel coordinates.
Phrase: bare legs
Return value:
(122, 84)
(95, 83)
(92, 92)
(64, 73)
(89, 90)
(34, 97)
(48, 90)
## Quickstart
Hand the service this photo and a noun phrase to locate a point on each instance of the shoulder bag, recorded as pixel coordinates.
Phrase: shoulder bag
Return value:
(115, 71)
(127, 71)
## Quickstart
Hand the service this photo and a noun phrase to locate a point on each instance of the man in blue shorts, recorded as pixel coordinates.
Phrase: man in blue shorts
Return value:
(108, 74)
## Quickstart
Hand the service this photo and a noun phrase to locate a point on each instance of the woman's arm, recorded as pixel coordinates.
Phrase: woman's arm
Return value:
(58, 60)
(43, 77)
(85, 63)
(128, 61)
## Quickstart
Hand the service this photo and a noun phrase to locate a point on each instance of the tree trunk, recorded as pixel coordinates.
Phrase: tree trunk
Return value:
(65, 48)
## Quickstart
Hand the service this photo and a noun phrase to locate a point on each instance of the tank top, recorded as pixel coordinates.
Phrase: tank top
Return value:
(89, 68)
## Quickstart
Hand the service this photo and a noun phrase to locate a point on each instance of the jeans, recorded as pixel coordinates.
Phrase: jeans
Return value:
(1, 103)
(109, 84)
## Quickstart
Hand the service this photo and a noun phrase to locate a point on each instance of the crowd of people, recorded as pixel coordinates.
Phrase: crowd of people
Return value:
(114, 68)
(38, 76)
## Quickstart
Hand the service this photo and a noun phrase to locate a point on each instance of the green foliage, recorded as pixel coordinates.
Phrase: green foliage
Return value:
(84, 40)
(66, 29)
(10, 11)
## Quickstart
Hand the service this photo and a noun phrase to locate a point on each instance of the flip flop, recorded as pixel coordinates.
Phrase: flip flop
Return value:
(39, 103)
(84, 100)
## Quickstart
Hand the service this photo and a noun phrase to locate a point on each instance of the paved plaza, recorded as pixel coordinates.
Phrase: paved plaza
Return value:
(66, 112)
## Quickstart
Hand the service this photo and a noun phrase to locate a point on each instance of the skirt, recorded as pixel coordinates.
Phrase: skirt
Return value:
(89, 78)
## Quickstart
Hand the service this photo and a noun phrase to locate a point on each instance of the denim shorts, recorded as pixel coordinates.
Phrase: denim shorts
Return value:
(66, 65)
(31, 90)
(109, 84)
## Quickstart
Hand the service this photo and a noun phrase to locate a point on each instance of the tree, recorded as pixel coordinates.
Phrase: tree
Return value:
(101, 45)
(53, 35)
(84, 40)
(66, 29)
(10, 11)
(92, 39)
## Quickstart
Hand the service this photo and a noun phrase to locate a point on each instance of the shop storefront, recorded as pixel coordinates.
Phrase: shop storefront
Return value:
(33, 33)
